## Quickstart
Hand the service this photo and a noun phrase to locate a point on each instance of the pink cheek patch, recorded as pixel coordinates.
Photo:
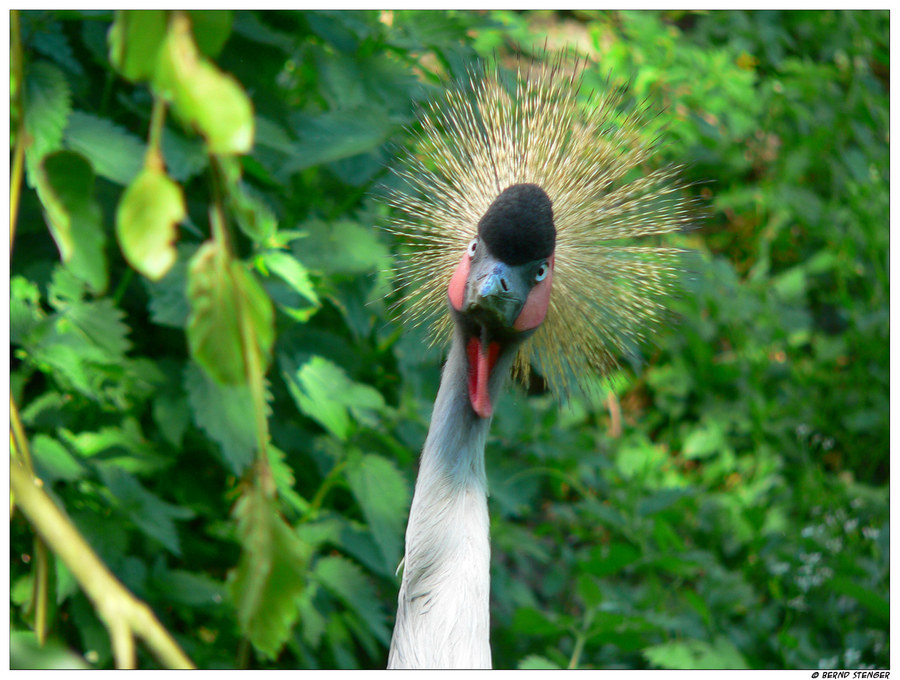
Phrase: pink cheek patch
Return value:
(457, 288)
(535, 308)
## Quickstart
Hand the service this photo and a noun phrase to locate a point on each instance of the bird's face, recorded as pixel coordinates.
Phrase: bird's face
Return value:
(500, 291)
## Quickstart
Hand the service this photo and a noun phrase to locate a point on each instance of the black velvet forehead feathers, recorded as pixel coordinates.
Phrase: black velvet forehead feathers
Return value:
(518, 226)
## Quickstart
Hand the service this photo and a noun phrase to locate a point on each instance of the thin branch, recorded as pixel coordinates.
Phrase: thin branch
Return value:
(15, 173)
(17, 436)
(123, 614)
(580, 639)
(41, 589)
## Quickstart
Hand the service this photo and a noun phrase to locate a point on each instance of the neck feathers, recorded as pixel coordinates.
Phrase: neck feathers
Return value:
(443, 617)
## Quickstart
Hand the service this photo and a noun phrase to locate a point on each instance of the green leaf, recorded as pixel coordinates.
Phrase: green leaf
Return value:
(52, 42)
(333, 135)
(146, 222)
(293, 273)
(25, 313)
(270, 576)
(707, 440)
(53, 460)
(134, 42)
(537, 662)
(383, 495)
(323, 391)
(171, 413)
(114, 153)
(211, 101)
(222, 296)
(346, 581)
(342, 247)
(225, 414)
(696, 655)
(190, 588)
(151, 515)
(661, 500)
(65, 185)
(608, 559)
(25, 652)
(296, 276)
(185, 158)
(283, 475)
(124, 447)
(211, 29)
(312, 623)
(878, 606)
(101, 323)
(47, 107)
(169, 304)
(254, 217)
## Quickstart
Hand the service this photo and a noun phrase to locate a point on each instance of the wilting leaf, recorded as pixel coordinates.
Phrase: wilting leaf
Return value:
(146, 222)
(210, 100)
(269, 578)
(222, 295)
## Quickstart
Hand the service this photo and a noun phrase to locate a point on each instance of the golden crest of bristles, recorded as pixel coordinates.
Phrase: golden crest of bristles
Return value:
(589, 157)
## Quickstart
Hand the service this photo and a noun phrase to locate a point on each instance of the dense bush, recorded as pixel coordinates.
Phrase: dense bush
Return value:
(726, 506)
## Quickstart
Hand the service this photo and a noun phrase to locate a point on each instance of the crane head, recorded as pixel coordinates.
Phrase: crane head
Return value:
(500, 291)
(553, 176)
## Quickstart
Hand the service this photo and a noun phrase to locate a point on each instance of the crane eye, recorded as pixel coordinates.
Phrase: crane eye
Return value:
(473, 246)
(542, 272)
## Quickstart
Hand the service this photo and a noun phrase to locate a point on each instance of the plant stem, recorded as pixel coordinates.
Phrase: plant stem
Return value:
(122, 613)
(17, 436)
(580, 639)
(15, 174)
(41, 590)
(154, 157)
(329, 481)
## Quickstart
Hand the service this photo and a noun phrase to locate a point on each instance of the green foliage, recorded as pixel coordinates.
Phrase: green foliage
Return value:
(740, 518)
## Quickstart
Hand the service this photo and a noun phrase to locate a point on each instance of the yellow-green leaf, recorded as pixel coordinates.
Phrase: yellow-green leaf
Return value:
(146, 220)
(211, 101)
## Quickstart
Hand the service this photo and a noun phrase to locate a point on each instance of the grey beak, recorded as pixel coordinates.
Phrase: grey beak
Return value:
(495, 293)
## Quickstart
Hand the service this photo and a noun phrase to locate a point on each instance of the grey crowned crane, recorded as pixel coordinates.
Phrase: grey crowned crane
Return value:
(518, 204)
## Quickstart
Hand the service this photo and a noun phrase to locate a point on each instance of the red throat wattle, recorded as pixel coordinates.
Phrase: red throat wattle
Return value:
(481, 363)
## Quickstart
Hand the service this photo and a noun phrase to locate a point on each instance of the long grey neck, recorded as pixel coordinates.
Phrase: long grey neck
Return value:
(443, 617)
